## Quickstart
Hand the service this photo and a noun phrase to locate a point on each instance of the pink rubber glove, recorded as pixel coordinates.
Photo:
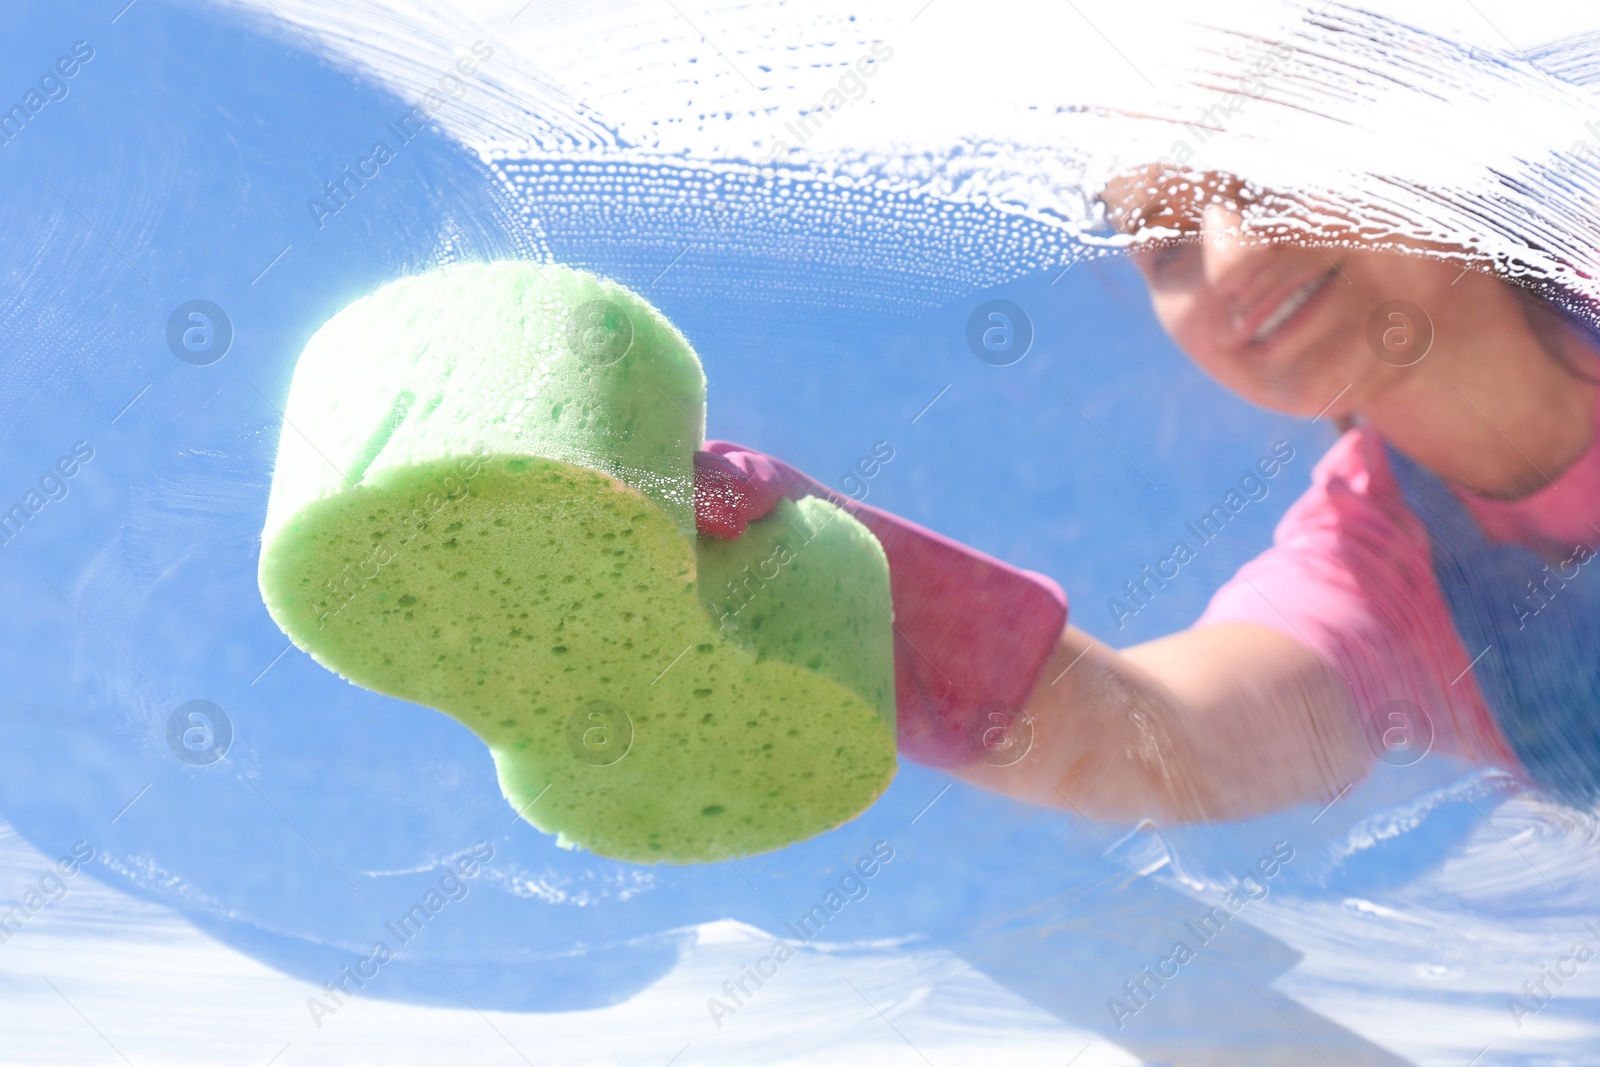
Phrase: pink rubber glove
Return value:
(972, 634)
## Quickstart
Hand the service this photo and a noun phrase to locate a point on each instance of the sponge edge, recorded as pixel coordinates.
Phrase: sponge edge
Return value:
(481, 507)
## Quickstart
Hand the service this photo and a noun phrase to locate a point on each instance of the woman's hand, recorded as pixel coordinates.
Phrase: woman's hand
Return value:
(972, 634)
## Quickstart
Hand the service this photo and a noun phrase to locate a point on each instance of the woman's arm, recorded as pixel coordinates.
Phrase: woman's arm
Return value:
(1225, 720)
(1218, 722)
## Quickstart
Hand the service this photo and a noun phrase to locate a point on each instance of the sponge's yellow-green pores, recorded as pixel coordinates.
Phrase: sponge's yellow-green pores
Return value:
(483, 502)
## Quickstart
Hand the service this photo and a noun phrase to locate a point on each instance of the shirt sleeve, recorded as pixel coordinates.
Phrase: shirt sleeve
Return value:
(1350, 575)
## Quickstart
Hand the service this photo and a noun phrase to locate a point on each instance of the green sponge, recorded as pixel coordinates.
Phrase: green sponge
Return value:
(483, 502)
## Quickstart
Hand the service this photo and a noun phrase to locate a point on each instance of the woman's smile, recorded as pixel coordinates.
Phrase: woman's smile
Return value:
(1270, 320)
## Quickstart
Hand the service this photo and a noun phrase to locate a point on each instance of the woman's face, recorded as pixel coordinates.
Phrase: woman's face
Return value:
(1289, 326)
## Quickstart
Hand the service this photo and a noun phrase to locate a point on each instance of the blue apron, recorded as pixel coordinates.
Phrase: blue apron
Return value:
(1541, 626)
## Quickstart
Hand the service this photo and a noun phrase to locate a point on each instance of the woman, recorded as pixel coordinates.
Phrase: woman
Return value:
(1429, 589)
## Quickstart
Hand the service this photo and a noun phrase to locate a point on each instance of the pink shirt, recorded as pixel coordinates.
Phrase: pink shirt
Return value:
(1349, 574)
